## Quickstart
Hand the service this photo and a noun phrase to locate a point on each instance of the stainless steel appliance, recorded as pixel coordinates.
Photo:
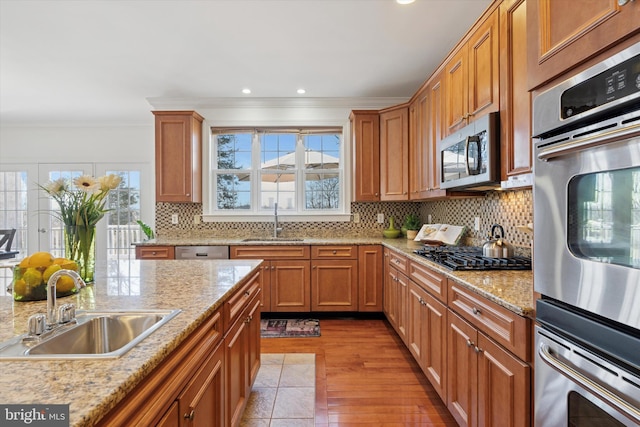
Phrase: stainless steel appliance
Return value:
(470, 158)
(587, 246)
(471, 258)
(202, 252)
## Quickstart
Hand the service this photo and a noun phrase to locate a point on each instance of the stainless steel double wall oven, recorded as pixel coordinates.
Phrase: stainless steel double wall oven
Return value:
(587, 246)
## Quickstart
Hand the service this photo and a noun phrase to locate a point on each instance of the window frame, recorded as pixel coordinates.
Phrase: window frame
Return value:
(257, 214)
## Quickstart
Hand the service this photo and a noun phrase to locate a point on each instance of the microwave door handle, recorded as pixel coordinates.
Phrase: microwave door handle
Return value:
(476, 169)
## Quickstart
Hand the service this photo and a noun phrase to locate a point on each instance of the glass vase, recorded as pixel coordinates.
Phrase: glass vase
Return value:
(79, 246)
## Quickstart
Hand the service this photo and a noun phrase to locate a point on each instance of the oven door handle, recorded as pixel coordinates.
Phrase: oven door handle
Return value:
(477, 163)
(588, 384)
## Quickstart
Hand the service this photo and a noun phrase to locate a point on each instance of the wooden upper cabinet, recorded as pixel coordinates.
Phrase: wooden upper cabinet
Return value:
(365, 140)
(515, 99)
(394, 153)
(419, 159)
(435, 130)
(562, 34)
(472, 76)
(178, 156)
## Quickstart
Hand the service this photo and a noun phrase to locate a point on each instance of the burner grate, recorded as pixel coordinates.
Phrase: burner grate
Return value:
(470, 258)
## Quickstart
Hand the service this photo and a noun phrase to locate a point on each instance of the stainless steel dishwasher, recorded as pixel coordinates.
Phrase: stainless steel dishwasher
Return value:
(202, 252)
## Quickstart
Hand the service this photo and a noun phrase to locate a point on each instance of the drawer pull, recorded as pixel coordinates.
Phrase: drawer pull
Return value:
(153, 253)
(477, 349)
(247, 293)
(335, 252)
(190, 416)
(476, 311)
(469, 342)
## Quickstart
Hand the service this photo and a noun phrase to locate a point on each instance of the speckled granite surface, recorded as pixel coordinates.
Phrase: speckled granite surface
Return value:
(93, 387)
(510, 289)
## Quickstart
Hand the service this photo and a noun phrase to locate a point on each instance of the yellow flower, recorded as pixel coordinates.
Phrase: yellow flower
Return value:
(87, 183)
(56, 187)
(109, 182)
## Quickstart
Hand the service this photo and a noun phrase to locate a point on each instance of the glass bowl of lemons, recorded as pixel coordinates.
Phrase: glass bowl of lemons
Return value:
(31, 275)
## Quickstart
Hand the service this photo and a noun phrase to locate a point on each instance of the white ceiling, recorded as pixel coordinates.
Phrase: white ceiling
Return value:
(71, 61)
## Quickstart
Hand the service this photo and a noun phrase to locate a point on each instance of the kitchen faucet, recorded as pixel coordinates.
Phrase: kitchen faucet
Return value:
(67, 311)
(276, 229)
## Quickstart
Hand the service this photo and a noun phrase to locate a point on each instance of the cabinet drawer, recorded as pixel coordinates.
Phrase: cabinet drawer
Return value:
(399, 262)
(334, 252)
(270, 252)
(431, 281)
(507, 328)
(155, 252)
(236, 303)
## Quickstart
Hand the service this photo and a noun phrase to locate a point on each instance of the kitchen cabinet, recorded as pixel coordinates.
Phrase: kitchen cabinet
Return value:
(365, 140)
(394, 153)
(472, 76)
(515, 99)
(396, 292)
(189, 379)
(487, 386)
(562, 36)
(419, 155)
(178, 156)
(370, 276)
(155, 252)
(334, 278)
(286, 275)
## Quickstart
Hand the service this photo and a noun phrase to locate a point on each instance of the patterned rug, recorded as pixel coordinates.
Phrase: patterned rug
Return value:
(289, 328)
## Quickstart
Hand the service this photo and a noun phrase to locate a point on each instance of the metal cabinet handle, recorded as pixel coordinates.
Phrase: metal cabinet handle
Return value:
(469, 342)
(623, 2)
(477, 349)
(476, 311)
(335, 252)
(190, 416)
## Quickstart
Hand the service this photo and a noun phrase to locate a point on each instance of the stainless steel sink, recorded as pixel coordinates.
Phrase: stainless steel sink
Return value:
(96, 335)
(272, 239)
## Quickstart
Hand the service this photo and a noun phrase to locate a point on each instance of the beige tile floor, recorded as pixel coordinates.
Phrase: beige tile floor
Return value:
(284, 392)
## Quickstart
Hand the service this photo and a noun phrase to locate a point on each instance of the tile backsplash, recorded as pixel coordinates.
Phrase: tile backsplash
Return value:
(509, 209)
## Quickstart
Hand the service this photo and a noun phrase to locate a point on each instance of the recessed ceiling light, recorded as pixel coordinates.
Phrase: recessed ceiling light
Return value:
(246, 91)
(405, 1)
(301, 91)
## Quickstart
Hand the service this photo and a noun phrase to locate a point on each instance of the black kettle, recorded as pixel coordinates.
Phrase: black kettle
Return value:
(496, 246)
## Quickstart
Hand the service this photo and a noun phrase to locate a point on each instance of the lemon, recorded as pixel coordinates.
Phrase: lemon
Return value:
(60, 260)
(69, 265)
(65, 284)
(24, 263)
(20, 288)
(49, 271)
(32, 277)
(40, 259)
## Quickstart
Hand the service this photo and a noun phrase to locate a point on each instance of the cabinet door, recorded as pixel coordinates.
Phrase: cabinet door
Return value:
(201, 402)
(253, 332)
(178, 156)
(434, 336)
(265, 286)
(561, 35)
(394, 154)
(155, 252)
(390, 294)
(334, 285)
(503, 387)
(171, 418)
(515, 102)
(365, 139)
(414, 331)
(462, 370)
(419, 154)
(401, 307)
(290, 286)
(370, 278)
(483, 80)
(457, 90)
(436, 131)
(236, 372)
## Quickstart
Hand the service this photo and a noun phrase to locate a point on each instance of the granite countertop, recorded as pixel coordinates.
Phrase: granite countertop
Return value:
(510, 289)
(93, 387)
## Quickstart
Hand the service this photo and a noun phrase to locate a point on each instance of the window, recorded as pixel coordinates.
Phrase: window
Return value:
(301, 170)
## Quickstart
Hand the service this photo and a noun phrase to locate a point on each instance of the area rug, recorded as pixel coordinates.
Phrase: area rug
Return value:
(289, 328)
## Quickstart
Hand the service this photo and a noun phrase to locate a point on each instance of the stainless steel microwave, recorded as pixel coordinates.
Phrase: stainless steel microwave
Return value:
(470, 158)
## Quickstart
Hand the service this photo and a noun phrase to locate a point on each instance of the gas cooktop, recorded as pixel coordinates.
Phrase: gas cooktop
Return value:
(470, 258)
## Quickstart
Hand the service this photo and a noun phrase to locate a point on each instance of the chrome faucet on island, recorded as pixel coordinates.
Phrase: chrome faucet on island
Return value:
(276, 229)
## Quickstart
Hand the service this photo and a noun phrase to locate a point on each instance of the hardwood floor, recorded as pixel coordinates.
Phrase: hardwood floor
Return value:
(366, 376)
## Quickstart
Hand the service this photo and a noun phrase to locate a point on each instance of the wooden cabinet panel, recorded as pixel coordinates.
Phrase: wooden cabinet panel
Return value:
(334, 285)
(504, 387)
(171, 418)
(394, 154)
(365, 140)
(155, 252)
(462, 370)
(290, 286)
(270, 252)
(399, 261)
(370, 278)
(420, 161)
(178, 156)
(561, 35)
(334, 252)
(507, 328)
(388, 293)
(236, 372)
(457, 90)
(264, 282)
(237, 303)
(253, 330)
(429, 279)
(515, 99)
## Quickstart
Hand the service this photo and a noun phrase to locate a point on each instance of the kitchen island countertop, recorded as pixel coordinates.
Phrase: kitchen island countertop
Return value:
(93, 387)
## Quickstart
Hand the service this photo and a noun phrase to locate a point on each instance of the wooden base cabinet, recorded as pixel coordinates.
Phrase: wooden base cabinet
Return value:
(370, 277)
(396, 292)
(334, 278)
(155, 252)
(487, 386)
